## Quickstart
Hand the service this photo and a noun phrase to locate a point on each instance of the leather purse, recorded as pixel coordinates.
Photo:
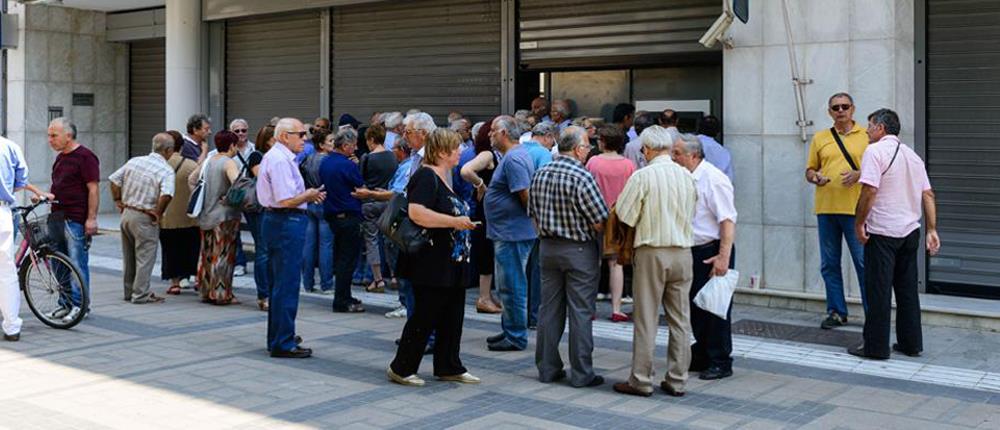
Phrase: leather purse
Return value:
(395, 224)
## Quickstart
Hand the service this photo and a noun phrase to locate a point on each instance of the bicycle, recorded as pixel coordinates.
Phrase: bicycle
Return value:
(48, 277)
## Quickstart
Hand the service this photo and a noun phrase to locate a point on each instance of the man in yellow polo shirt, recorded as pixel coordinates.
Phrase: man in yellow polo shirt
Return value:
(833, 167)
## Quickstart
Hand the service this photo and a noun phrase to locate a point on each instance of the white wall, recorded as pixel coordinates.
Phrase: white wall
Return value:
(62, 51)
(863, 47)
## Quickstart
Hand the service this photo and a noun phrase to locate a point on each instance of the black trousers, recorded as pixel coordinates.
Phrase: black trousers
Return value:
(346, 250)
(891, 266)
(713, 335)
(438, 310)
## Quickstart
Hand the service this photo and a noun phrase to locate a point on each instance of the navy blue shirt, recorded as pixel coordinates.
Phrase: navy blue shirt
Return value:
(341, 177)
(459, 184)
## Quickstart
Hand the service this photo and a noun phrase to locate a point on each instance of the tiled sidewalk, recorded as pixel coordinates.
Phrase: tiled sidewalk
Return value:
(187, 365)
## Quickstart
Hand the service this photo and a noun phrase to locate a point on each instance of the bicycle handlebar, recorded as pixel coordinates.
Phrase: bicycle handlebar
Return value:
(33, 206)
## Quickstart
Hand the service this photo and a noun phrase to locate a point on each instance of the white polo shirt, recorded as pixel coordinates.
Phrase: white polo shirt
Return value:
(715, 203)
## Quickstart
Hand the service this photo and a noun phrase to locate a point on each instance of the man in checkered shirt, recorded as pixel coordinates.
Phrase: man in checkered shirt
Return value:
(568, 212)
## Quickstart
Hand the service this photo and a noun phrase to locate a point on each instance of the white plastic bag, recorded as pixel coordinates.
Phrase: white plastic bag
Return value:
(717, 294)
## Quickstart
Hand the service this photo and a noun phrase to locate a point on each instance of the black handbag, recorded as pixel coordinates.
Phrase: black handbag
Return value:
(395, 224)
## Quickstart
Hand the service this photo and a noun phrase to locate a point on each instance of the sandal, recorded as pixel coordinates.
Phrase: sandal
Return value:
(376, 286)
(174, 290)
(262, 304)
(619, 317)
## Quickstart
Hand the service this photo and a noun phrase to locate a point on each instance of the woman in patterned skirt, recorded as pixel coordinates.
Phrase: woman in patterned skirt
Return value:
(219, 223)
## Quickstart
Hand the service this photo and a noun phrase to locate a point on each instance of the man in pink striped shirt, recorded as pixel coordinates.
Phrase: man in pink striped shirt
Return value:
(894, 186)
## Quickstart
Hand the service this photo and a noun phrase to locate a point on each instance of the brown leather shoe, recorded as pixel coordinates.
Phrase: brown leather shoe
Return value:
(670, 390)
(486, 306)
(626, 388)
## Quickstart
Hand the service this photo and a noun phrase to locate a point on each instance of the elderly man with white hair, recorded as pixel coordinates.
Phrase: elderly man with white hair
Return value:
(393, 128)
(659, 202)
(714, 231)
(560, 114)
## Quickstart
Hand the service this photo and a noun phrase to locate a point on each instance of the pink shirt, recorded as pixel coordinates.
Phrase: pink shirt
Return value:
(611, 175)
(279, 178)
(897, 208)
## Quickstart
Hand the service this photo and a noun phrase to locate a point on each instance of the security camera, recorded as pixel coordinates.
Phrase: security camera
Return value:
(718, 30)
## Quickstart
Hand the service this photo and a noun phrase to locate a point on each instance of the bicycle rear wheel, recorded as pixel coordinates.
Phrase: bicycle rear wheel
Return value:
(48, 281)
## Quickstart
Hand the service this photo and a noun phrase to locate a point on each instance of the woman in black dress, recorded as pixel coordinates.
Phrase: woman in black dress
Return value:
(479, 172)
(438, 270)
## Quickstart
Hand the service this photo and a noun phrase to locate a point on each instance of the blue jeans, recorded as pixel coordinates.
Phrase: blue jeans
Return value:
(78, 247)
(831, 229)
(282, 239)
(261, 277)
(318, 249)
(241, 257)
(534, 270)
(512, 282)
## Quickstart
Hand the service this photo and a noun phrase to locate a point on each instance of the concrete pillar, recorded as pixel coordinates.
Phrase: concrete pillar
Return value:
(183, 62)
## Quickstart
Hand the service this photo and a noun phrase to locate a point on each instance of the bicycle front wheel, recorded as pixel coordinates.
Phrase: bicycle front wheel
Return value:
(54, 289)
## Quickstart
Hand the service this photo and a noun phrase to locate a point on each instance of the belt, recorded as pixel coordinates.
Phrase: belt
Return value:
(294, 211)
(143, 211)
(705, 246)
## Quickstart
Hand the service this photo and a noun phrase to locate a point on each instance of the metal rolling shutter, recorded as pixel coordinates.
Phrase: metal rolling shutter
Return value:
(601, 33)
(963, 151)
(433, 55)
(273, 68)
(147, 83)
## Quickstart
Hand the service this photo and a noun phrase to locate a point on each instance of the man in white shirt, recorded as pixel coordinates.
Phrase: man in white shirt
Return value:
(560, 114)
(714, 229)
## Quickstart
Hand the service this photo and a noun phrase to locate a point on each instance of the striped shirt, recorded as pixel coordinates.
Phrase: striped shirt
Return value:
(565, 202)
(143, 180)
(659, 201)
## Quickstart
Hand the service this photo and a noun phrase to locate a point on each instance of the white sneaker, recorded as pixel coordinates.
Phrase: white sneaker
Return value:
(184, 283)
(602, 297)
(239, 271)
(627, 300)
(71, 315)
(399, 312)
(59, 313)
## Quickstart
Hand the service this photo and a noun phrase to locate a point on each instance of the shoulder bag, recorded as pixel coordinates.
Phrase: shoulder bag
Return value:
(197, 195)
(843, 149)
(243, 193)
(395, 224)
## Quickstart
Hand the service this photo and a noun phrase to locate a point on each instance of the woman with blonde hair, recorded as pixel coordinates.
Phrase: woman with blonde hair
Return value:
(439, 294)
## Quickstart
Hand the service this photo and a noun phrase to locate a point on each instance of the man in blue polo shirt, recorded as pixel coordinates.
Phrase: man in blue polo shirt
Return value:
(512, 232)
(340, 177)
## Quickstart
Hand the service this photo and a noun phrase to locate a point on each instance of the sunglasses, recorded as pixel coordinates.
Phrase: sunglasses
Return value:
(301, 134)
(838, 108)
(240, 130)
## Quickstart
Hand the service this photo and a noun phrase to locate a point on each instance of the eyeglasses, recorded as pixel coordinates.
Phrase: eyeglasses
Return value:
(838, 108)
(240, 130)
(301, 134)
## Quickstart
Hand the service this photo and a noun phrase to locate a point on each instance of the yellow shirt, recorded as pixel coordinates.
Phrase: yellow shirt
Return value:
(659, 201)
(825, 156)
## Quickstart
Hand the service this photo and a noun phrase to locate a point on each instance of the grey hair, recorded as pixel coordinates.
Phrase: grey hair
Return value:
(344, 136)
(571, 137)
(392, 120)
(522, 114)
(848, 96)
(162, 142)
(238, 121)
(477, 126)
(284, 125)
(888, 118)
(510, 125)
(66, 125)
(691, 145)
(657, 138)
(413, 111)
(421, 121)
(544, 129)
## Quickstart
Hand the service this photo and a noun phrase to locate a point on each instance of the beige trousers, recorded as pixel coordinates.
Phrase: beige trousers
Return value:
(662, 277)
(140, 241)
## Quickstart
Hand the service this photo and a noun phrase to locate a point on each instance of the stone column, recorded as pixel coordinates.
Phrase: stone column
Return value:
(183, 62)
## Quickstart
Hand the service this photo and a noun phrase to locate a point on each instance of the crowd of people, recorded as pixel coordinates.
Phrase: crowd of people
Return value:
(543, 214)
